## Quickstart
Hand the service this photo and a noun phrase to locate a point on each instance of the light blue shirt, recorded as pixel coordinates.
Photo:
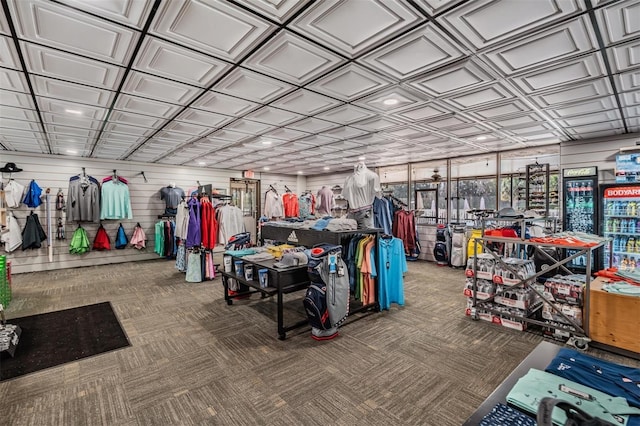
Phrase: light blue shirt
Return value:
(115, 203)
(390, 269)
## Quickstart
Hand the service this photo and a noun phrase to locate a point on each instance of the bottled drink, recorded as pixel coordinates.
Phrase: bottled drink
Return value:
(631, 245)
(623, 226)
(631, 226)
(610, 208)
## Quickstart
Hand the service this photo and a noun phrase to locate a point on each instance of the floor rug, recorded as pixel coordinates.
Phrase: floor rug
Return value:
(55, 338)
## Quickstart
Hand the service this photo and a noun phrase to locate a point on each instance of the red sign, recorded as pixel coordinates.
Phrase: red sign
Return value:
(622, 192)
(248, 174)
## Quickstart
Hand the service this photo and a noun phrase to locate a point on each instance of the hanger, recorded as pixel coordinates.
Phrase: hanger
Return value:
(386, 236)
(287, 188)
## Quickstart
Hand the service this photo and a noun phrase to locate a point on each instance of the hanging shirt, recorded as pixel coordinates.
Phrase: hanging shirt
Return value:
(273, 205)
(12, 238)
(158, 246)
(382, 215)
(193, 232)
(32, 197)
(291, 205)
(325, 201)
(182, 220)
(138, 239)
(230, 222)
(116, 203)
(13, 193)
(391, 267)
(361, 188)
(171, 196)
(83, 199)
(209, 225)
(79, 242)
(32, 235)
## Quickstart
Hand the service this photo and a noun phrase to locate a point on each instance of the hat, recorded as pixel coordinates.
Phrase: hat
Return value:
(10, 168)
(509, 213)
(292, 259)
(532, 214)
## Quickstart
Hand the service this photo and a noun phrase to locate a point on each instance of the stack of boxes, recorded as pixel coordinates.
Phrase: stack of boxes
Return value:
(514, 300)
(5, 281)
(566, 295)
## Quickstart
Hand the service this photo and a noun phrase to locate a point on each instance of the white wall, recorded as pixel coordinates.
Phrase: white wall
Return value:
(54, 172)
(596, 152)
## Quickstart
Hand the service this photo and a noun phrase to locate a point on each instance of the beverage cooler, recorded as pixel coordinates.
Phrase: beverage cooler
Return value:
(580, 207)
(620, 220)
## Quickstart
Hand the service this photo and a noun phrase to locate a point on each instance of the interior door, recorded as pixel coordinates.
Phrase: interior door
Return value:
(245, 194)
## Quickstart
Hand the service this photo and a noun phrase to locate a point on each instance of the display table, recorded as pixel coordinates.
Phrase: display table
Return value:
(614, 319)
(281, 282)
(539, 358)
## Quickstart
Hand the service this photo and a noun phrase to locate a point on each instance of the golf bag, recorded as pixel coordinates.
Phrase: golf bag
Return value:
(441, 249)
(327, 299)
(458, 246)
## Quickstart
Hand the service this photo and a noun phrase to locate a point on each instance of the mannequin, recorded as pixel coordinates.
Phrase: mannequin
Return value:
(359, 190)
(325, 201)
(172, 196)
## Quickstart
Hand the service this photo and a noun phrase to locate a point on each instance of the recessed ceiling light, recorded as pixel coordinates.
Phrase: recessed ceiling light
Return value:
(266, 142)
(72, 151)
(326, 167)
(299, 172)
(73, 111)
(362, 158)
(390, 101)
(202, 163)
(481, 138)
(266, 168)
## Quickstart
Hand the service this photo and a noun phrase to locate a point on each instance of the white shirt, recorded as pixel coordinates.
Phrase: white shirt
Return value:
(273, 206)
(12, 238)
(361, 188)
(182, 220)
(13, 193)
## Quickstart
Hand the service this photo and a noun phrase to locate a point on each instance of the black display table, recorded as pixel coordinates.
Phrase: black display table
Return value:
(281, 282)
(539, 358)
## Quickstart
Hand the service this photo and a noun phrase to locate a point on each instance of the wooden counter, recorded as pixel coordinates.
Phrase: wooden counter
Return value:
(614, 319)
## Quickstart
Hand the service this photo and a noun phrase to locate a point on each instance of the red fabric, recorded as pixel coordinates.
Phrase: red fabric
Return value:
(291, 205)
(101, 242)
(404, 228)
(208, 225)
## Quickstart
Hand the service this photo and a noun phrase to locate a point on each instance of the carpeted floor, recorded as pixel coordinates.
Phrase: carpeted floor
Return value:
(54, 338)
(193, 360)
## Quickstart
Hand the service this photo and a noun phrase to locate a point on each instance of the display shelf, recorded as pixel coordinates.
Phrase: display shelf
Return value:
(633, 234)
(623, 216)
(631, 253)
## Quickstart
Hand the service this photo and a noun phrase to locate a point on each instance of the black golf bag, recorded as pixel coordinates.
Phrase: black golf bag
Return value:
(327, 299)
(441, 249)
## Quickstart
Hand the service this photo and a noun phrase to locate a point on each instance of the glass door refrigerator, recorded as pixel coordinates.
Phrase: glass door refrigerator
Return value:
(580, 207)
(620, 220)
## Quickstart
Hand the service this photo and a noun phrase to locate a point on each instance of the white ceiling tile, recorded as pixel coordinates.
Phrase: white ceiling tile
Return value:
(145, 106)
(419, 51)
(312, 125)
(292, 59)
(250, 127)
(9, 123)
(15, 99)
(350, 82)
(177, 63)
(403, 99)
(275, 116)
(529, 128)
(517, 121)
(591, 106)
(8, 54)
(4, 25)
(596, 127)
(7, 112)
(204, 118)
(628, 81)
(377, 123)
(129, 12)
(598, 133)
(253, 86)
(127, 129)
(223, 104)
(485, 22)
(66, 66)
(625, 56)
(138, 120)
(159, 88)
(458, 77)
(422, 112)
(278, 10)
(171, 138)
(13, 80)
(229, 135)
(62, 27)
(466, 131)
(435, 6)
(346, 114)
(630, 99)
(632, 111)
(344, 132)
(620, 21)
(344, 26)
(577, 93)
(306, 102)
(213, 27)
(71, 120)
(187, 128)
(71, 92)
(286, 134)
(308, 142)
(567, 73)
(446, 122)
(62, 107)
(583, 120)
(404, 132)
(494, 93)
(563, 41)
(499, 111)
(74, 132)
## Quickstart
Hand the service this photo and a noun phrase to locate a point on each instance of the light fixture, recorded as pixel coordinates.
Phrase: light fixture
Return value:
(362, 158)
(266, 168)
(327, 168)
(72, 151)
(481, 138)
(299, 172)
(73, 111)
(202, 163)
(390, 101)
(266, 142)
